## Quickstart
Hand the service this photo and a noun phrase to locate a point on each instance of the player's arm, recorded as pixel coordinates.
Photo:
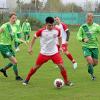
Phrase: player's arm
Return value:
(68, 35)
(80, 35)
(31, 45)
(98, 29)
(65, 27)
(37, 34)
(60, 40)
(1, 30)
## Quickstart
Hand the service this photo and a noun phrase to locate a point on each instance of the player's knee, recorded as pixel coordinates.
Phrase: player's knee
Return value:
(96, 63)
(15, 62)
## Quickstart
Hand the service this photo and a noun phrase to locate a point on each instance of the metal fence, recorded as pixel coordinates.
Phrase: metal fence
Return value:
(69, 18)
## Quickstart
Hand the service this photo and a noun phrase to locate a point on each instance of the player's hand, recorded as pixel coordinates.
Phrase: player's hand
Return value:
(30, 50)
(85, 40)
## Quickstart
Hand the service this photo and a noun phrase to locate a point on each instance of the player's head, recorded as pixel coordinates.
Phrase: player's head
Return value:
(12, 17)
(49, 23)
(57, 19)
(89, 18)
(26, 20)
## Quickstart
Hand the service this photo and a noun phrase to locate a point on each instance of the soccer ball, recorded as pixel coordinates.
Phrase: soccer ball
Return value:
(58, 83)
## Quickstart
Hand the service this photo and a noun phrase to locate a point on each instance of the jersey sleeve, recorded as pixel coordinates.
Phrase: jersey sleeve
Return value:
(79, 34)
(3, 27)
(65, 27)
(98, 29)
(38, 33)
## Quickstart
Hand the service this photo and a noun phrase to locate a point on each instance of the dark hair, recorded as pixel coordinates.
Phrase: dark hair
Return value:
(11, 14)
(49, 20)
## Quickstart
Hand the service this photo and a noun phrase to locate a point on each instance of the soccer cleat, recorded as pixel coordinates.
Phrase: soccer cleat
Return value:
(18, 78)
(25, 82)
(69, 83)
(17, 49)
(75, 65)
(93, 77)
(4, 72)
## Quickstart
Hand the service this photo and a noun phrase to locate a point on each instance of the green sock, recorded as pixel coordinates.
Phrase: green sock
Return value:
(8, 66)
(90, 69)
(28, 38)
(15, 69)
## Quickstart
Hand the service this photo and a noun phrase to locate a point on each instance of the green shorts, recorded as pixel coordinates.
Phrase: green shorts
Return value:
(93, 52)
(19, 35)
(26, 33)
(6, 51)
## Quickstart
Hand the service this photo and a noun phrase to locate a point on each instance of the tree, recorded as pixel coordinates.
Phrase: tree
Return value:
(57, 6)
(53, 6)
(19, 4)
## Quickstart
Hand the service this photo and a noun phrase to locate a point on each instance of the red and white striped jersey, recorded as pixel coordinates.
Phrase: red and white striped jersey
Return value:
(48, 40)
(63, 28)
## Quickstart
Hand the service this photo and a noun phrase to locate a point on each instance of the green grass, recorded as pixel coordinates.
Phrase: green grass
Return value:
(41, 84)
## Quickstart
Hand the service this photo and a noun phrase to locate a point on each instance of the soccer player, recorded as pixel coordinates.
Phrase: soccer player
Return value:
(49, 50)
(18, 35)
(65, 38)
(26, 29)
(6, 39)
(87, 35)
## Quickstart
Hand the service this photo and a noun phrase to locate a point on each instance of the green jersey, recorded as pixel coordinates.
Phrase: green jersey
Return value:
(91, 32)
(6, 36)
(15, 31)
(26, 27)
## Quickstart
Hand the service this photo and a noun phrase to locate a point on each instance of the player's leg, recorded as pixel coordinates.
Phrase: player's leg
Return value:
(5, 53)
(3, 70)
(11, 56)
(88, 56)
(14, 62)
(95, 61)
(28, 37)
(58, 60)
(95, 53)
(90, 62)
(25, 37)
(69, 55)
(40, 60)
(17, 46)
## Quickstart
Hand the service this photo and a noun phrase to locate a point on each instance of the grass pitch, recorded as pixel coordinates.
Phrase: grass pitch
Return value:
(41, 84)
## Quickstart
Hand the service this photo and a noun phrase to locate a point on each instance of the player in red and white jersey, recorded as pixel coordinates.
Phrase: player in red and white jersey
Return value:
(65, 38)
(49, 50)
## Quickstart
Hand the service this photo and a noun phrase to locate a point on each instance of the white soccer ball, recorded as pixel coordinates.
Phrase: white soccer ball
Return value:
(58, 83)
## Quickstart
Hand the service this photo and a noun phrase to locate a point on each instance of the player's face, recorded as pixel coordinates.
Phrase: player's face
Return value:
(90, 19)
(13, 19)
(50, 26)
(57, 20)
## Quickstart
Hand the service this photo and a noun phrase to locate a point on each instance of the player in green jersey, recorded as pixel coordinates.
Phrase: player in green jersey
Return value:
(6, 38)
(18, 35)
(26, 29)
(87, 35)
